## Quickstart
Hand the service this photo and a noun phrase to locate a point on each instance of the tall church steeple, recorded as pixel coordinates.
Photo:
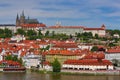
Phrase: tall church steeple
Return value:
(17, 18)
(17, 21)
(22, 18)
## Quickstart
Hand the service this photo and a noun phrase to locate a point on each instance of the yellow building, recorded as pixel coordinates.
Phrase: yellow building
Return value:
(62, 55)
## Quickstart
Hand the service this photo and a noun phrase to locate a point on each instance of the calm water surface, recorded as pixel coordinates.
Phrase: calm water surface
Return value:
(37, 76)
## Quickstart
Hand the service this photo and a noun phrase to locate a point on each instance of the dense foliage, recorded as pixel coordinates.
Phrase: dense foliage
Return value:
(5, 33)
(112, 32)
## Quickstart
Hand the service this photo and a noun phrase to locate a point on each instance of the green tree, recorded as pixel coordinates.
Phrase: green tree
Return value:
(96, 36)
(20, 61)
(47, 33)
(39, 33)
(31, 33)
(9, 57)
(21, 31)
(56, 65)
(111, 45)
(14, 58)
(7, 32)
(94, 48)
(1, 33)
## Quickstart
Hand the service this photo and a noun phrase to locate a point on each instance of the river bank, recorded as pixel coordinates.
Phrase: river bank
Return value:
(82, 72)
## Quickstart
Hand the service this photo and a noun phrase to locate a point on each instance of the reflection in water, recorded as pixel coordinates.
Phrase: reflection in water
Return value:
(37, 76)
(47, 77)
(56, 77)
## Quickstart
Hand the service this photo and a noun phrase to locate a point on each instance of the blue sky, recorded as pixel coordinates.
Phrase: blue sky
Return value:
(90, 13)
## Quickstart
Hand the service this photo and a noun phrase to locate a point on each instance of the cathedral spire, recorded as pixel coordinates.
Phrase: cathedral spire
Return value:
(17, 18)
(23, 13)
(22, 18)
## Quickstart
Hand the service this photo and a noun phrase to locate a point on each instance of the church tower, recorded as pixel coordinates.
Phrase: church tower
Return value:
(17, 21)
(103, 26)
(22, 18)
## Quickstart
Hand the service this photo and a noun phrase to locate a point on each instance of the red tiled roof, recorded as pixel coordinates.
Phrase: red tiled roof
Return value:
(115, 49)
(10, 62)
(63, 52)
(55, 27)
(94, 29)
(88, 62)
(65, 45)
(94, 56)
(33, 25)
(46, 63)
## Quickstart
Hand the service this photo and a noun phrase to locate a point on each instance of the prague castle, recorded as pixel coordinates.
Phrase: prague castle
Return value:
(22, 20)
(27, 23)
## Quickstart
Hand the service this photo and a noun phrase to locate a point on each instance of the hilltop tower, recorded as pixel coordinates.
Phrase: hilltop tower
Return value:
(103, 26)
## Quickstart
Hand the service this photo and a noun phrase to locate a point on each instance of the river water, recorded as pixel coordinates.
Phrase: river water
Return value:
(38, 76)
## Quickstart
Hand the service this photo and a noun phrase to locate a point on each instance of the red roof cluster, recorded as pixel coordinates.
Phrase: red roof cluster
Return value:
(25, 46)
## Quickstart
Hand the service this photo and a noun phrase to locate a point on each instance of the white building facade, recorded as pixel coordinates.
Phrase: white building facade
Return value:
(68, 30)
